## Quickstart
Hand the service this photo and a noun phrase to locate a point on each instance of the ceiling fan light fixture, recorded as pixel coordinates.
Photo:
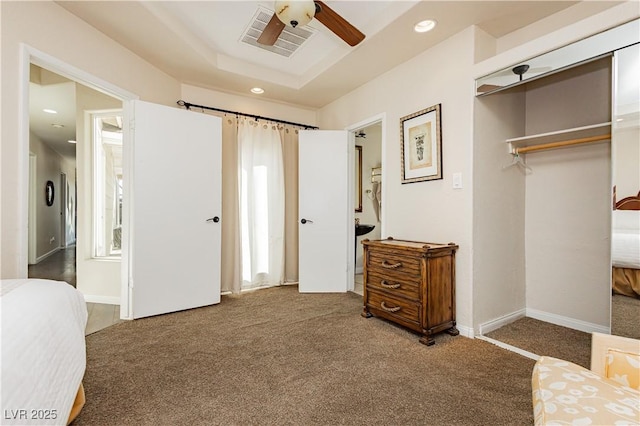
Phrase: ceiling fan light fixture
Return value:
(257, 90)
(424, 26)
(50, 111)
(295, 12)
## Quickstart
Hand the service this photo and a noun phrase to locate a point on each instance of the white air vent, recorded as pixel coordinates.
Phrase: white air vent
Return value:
(288, 42)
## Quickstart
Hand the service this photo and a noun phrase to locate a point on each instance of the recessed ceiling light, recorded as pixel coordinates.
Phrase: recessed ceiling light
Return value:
(70, 141)
(257, 90)
(57, 126)
(50, 111)
(424, 26)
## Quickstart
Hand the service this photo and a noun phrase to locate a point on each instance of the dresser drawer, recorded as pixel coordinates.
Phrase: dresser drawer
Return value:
(393, 263)
(405, 286)
(396, 308)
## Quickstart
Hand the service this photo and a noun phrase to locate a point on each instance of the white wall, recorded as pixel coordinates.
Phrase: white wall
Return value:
(250, 104)
(427, 211)
(49, 165)
(97, 278)
(568, 202)
(52, 30)
(498, 210)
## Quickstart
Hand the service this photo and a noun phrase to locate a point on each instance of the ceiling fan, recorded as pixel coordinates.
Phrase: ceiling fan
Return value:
(296, 12)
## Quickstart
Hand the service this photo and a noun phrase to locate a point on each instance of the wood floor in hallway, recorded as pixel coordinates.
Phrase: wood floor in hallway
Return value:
(61, 266)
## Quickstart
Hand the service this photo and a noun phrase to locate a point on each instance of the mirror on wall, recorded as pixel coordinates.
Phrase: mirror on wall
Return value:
(625, 219)
(358, 179)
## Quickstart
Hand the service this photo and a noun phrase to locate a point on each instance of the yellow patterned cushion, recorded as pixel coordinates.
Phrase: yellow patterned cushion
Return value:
(568, 394)
(623, 367)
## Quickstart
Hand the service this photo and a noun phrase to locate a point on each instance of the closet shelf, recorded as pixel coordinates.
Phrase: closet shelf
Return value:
(576, 135)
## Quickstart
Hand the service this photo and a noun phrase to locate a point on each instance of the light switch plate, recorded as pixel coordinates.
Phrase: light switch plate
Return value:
(457, 180)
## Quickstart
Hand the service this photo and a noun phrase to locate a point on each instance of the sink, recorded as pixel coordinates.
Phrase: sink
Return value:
(363, 229)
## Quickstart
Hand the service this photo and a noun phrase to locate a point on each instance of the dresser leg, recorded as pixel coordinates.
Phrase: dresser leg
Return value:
(365, 313)
(427, 340)
(453, 331)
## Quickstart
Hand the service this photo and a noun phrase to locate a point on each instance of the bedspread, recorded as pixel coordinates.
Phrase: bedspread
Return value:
(43, 350)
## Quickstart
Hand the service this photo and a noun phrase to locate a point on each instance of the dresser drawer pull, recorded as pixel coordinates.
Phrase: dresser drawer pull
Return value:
(386, 308)
(384, 284)
(388, 265)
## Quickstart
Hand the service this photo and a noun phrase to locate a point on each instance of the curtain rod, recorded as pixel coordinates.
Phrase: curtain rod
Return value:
(188, 106)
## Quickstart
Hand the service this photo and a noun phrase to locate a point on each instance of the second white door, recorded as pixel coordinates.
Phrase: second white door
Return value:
(324, 215)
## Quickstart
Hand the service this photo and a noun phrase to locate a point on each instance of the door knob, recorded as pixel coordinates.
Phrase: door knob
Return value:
(303, 221)
(215, 219)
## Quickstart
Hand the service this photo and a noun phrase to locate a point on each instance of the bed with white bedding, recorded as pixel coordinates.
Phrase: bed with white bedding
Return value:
(625, 247)
(43, 351)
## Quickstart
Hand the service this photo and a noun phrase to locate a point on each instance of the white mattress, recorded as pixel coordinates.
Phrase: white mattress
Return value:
(625, 250)
(625, 239)
(43, 350)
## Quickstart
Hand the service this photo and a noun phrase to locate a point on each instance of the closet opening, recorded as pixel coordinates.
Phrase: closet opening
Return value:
(542, 208)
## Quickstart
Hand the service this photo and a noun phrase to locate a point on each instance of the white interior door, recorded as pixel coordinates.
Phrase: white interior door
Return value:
(325, 215)
(176, 205)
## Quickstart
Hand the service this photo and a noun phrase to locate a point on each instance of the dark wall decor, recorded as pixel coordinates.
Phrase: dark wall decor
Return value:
(358, 197)
(49, 193)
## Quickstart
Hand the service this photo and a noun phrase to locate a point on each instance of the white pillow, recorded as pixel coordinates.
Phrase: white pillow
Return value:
(626, 221)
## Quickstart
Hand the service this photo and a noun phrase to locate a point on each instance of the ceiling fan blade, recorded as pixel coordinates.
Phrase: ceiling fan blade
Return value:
(271, 32)
(336, 23)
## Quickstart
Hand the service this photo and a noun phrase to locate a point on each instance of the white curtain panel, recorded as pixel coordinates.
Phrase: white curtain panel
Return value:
(262, 204)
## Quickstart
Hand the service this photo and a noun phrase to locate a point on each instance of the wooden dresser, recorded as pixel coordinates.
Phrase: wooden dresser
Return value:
(411, 283)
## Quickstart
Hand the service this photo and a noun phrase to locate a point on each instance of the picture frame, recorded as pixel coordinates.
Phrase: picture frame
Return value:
(358, 179)
(421, 145)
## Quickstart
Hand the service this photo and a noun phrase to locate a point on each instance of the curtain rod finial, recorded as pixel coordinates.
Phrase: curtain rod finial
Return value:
(184, 104)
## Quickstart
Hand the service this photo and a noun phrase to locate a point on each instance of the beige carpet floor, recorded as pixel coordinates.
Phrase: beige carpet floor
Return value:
(543, 338)
(280, 357)
(625, 316)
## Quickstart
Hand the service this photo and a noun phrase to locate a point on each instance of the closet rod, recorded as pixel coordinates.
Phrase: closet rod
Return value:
(560, 144)
(188, 105)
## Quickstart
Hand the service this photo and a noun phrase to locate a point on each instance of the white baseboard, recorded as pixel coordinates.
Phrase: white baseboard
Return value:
(575, 324)
(509, 347)
(495, 324)
(44, 256)
(465, 331)
(105, 300)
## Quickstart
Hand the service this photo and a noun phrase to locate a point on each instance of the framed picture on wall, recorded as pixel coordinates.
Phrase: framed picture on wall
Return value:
(421, 145)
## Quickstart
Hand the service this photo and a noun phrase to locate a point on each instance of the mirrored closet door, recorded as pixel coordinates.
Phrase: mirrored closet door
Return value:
(625, 219)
